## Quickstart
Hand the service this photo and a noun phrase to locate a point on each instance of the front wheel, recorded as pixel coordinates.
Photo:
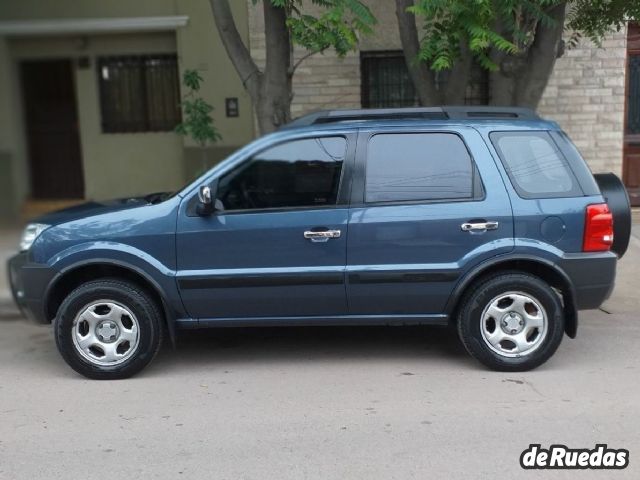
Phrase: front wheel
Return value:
(108, 329)
(511, 322)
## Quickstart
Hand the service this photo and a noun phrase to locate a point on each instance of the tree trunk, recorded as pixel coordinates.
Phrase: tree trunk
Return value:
(541, 59)
(455, 91)
(271, 90)
(422, 77)
(237, 51)
(521, 80)
(273, 108)
(502, 82)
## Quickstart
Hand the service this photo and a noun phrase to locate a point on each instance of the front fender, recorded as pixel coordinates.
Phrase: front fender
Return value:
(159, 275)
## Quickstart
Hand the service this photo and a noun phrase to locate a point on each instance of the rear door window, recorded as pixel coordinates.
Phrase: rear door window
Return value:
(418, 166)
(535, 165)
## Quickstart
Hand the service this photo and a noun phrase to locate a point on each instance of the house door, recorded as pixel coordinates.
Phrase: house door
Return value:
(52, 129)
(631, 161)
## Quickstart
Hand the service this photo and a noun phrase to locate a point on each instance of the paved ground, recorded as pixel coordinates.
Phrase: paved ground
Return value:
(378, 403)
(9, 238)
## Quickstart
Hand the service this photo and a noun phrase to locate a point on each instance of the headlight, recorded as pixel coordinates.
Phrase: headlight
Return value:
(31, 232)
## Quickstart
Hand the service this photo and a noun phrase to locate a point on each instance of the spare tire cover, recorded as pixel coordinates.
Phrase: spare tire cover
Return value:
(615, 194)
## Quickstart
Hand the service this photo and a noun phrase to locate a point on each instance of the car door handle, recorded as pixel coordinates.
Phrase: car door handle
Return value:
(479, 226)
(321, 235)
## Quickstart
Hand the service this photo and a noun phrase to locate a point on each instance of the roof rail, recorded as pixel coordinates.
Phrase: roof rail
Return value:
(488, 112)
(417, 113)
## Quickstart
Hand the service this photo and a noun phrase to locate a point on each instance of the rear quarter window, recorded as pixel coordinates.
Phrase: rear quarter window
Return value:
(535, 165)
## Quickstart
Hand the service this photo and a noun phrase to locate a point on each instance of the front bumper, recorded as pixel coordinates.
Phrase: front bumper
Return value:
(29, 283)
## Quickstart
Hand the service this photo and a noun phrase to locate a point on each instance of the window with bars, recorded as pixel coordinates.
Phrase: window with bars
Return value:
(139, 93)
(386, 82)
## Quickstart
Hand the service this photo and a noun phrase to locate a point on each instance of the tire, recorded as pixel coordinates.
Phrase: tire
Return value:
(617, 198)
(530, 321)
(108, 329)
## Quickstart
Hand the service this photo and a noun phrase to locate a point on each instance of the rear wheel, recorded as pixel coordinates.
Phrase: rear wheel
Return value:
(108, 329)
(511, 321)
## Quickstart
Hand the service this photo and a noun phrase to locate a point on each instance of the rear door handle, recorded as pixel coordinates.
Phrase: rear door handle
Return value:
(479, 226)
(321, 235)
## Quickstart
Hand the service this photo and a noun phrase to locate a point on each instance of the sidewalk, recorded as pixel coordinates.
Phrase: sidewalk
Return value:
(9, 238)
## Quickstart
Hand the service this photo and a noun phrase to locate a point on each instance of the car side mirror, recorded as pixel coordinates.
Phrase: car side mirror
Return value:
(206, 200)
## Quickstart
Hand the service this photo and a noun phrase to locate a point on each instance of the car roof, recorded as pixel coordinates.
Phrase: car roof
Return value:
(505, 118)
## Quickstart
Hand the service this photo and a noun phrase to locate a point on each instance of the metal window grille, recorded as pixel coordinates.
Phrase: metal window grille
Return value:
(139, 93)
(386, 82)
(478, 88)
(633, 102)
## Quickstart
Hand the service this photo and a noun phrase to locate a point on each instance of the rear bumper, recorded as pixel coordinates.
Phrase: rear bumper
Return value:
(592, 275)
(29, 283)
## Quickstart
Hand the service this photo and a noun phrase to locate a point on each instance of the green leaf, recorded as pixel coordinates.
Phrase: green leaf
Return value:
(508, 26)
(337, 25)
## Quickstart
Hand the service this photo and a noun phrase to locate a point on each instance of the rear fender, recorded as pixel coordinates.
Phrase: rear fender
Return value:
(541, 267)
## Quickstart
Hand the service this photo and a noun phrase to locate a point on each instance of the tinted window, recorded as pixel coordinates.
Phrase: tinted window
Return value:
(418, 166)
(535, 165)
(301, 173)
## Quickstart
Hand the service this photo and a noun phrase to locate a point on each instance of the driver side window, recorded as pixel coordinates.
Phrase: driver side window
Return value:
(299, 173)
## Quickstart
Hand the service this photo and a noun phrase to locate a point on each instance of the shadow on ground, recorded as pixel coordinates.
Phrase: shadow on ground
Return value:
(291, 344)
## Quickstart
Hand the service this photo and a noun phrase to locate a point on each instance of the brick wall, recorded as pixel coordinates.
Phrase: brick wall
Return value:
(322, 81)
(585, 94)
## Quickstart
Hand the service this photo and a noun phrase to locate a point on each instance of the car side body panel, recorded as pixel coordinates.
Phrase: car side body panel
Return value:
(393, 264)
(406, 257)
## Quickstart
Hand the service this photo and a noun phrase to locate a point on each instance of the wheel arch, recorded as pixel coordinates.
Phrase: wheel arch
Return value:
(542, 268)
(73, 276)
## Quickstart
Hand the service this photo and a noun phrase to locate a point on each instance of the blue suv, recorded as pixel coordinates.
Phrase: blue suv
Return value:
(486, 219)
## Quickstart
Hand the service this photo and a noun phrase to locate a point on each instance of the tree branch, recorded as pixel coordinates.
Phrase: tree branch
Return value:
(236, 49)
(422, 77)
(303, 58)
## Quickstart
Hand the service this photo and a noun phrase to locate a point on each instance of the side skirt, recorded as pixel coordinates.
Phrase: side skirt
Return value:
(395, 320)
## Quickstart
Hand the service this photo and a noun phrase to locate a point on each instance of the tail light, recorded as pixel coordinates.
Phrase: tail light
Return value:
(598, 228)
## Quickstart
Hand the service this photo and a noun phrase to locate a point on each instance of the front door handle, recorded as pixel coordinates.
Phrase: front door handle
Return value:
(479, 226)
(321, 235)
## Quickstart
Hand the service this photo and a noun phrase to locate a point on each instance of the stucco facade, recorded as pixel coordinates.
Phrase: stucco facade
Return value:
(115, 164)
(586, 93)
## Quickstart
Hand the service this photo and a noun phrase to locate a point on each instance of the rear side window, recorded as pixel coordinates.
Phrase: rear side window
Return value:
(418, 166)
(535, 165)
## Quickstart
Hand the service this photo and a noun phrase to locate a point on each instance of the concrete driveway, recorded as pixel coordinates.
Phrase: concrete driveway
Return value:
(334, 403)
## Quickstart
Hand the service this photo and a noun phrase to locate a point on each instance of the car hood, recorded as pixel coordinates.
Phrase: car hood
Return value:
(92, 208)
